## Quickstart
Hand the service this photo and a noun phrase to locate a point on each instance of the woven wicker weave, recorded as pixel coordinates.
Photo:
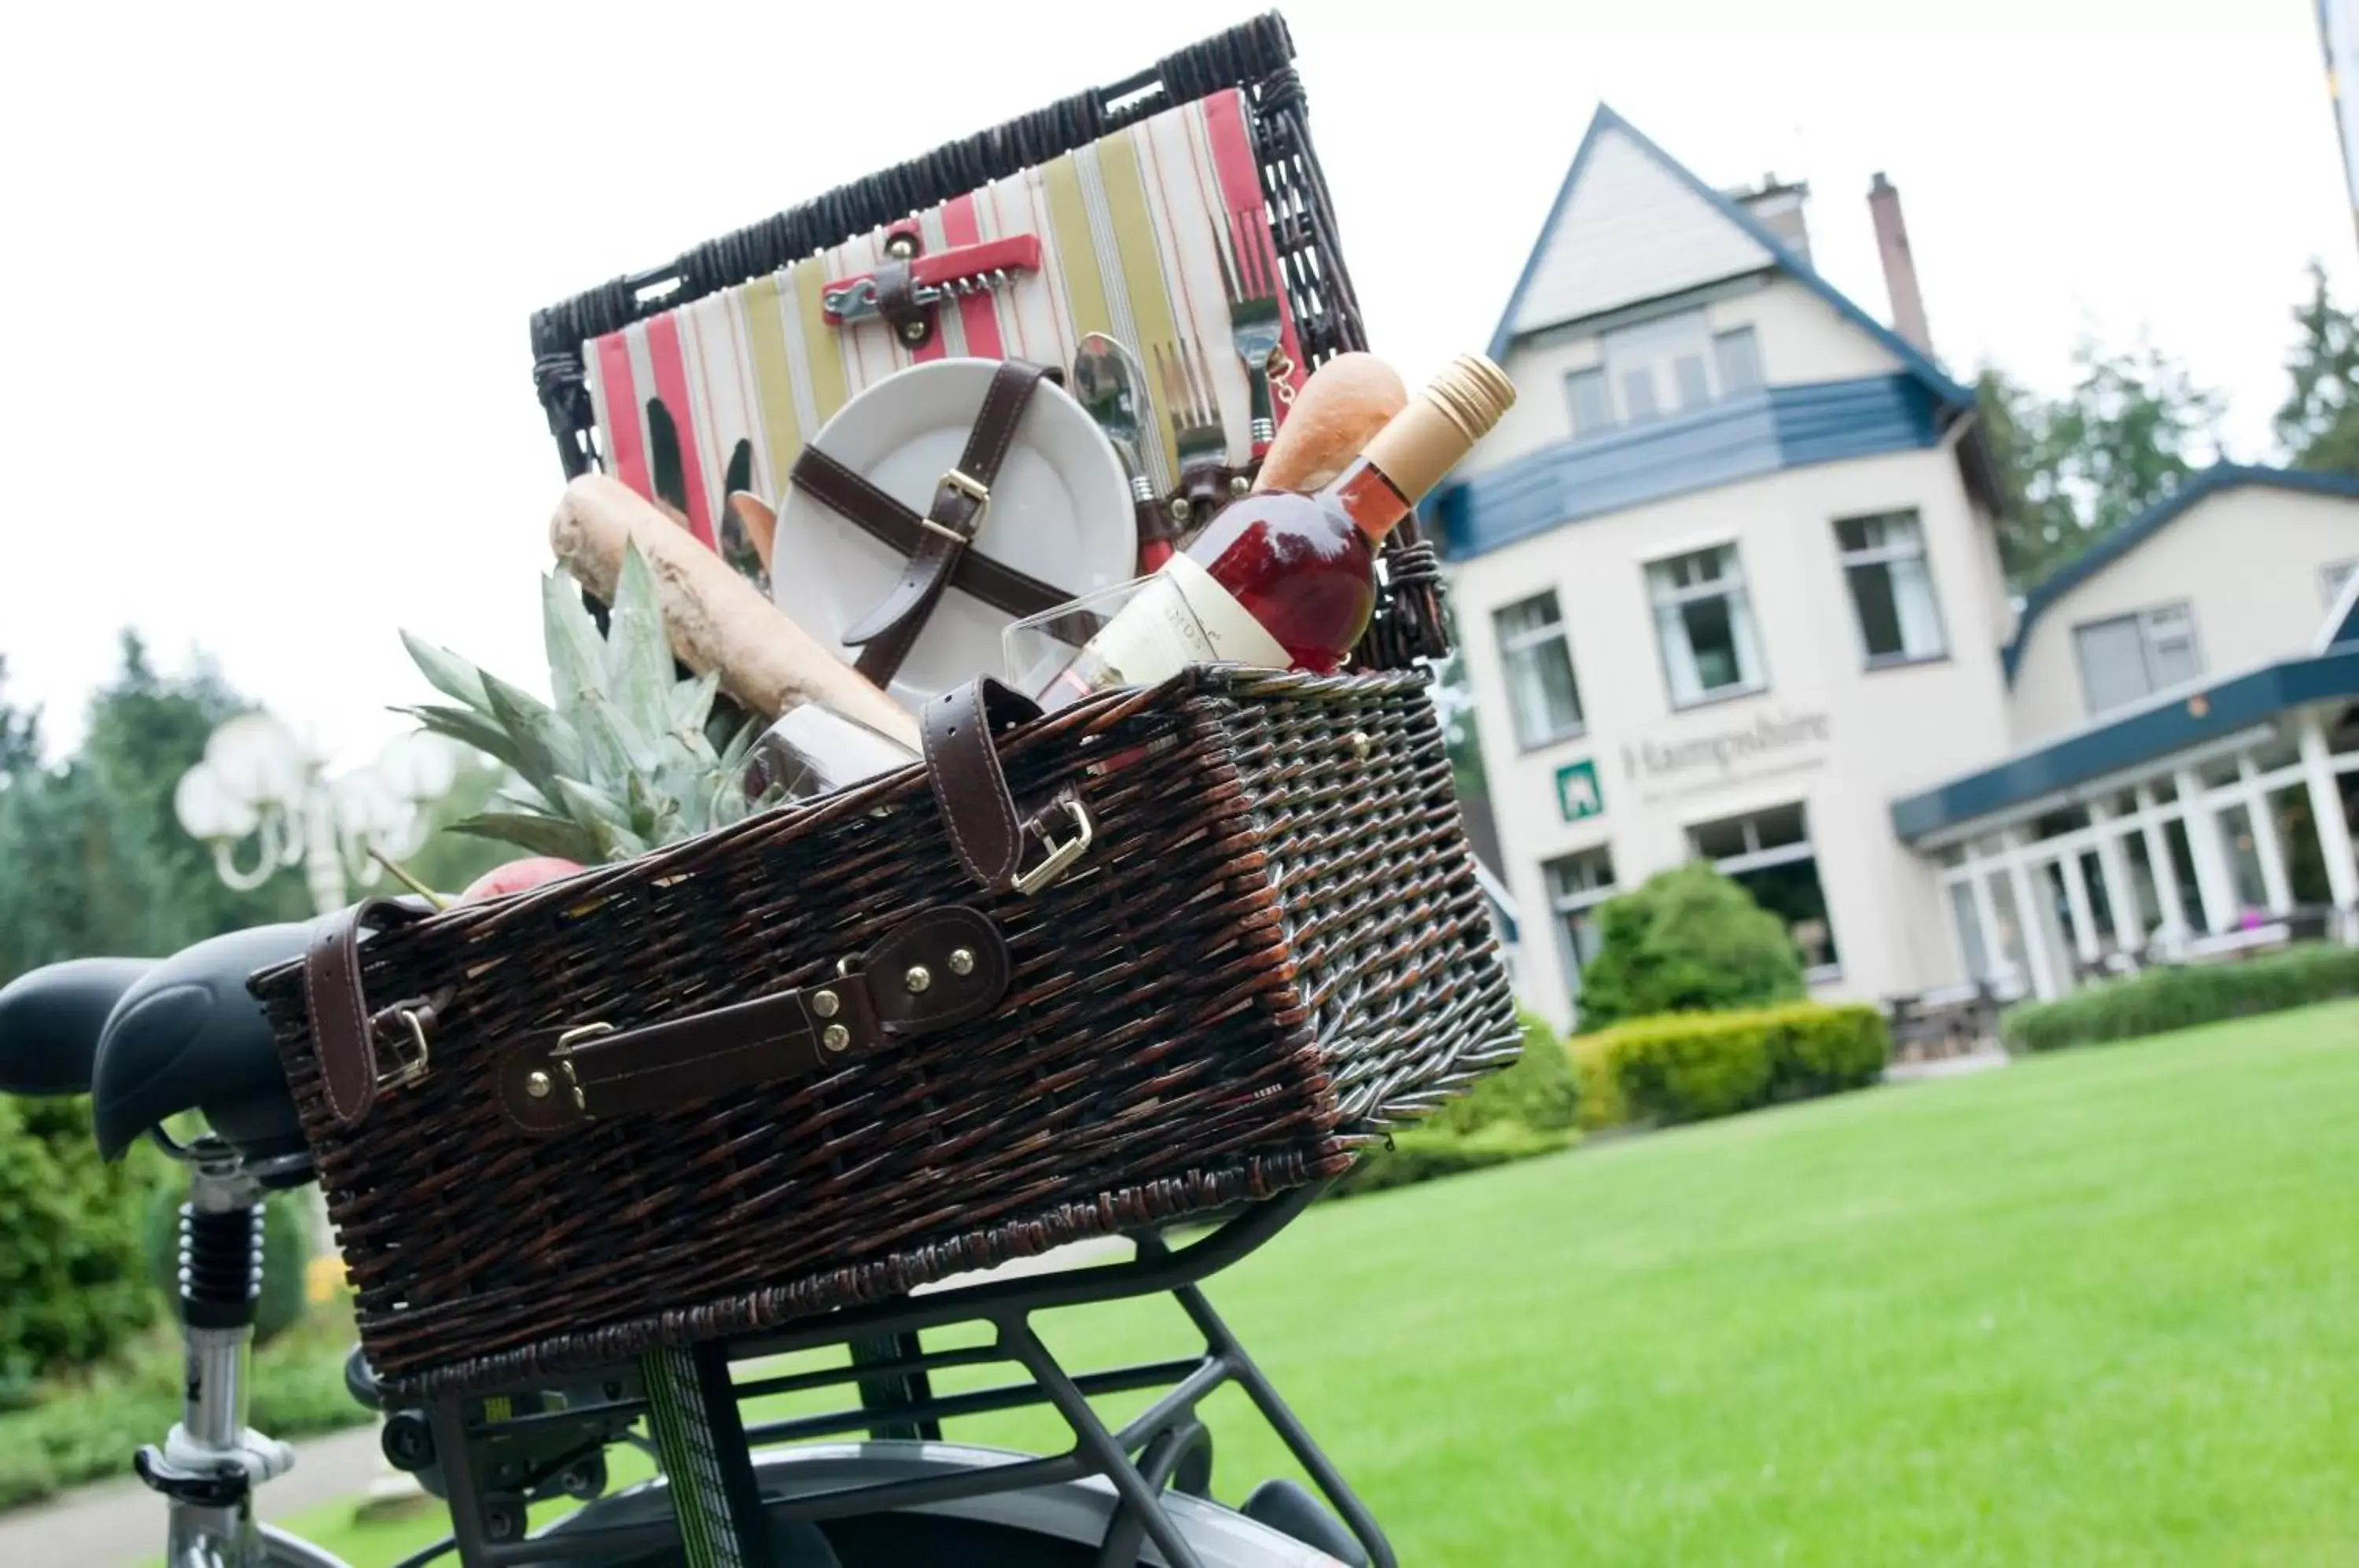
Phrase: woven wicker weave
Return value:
(1276, 949)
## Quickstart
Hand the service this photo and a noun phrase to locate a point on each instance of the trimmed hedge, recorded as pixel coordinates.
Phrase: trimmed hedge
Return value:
(1523, 1109)
(2155, 1001)
(1685, 1067)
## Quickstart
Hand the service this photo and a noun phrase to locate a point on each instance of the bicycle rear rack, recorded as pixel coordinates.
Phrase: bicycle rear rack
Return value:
(1165, 1446)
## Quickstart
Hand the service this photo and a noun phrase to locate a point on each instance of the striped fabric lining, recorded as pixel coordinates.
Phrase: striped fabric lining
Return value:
(1126, 227)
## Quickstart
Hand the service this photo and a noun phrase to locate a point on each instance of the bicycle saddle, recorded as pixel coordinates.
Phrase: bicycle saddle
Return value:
(187, 1035)
(51, 1020)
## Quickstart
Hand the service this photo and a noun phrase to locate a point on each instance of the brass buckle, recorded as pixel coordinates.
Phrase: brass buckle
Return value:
(408, 1069)
(974, 490)
(1061, 856)
(562, 1055)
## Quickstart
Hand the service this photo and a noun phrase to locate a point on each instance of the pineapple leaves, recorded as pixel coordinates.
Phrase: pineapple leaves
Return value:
(638, 654)
(544, 748)
(450, 675)
(576, 654)
(541, 835)
(602, 818)
(691, 701)
(628, 758)
(465, 726)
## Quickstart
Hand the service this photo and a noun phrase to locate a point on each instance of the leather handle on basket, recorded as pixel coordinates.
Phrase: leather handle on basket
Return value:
(340, 1032)
(946, 966)
(961, 728)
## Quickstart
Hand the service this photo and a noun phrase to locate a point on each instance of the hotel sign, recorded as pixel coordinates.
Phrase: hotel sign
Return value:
(1772, 742)
(1577, 798)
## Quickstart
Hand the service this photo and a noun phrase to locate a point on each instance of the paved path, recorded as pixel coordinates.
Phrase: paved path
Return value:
(1946, 1066)
(120, 1524)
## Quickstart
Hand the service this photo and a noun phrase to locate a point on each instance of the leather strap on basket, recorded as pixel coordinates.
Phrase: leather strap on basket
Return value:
(939, 969)
(886, 520)
(343, 1033)
(961, 730)
(885, 634)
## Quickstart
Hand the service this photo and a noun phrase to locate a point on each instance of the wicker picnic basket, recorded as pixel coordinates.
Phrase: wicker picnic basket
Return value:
(1266, 945)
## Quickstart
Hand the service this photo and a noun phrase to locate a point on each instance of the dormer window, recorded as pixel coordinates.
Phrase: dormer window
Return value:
(1656, 369)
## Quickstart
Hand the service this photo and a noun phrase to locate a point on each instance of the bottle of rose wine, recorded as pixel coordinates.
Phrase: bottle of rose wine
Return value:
(1283, 580)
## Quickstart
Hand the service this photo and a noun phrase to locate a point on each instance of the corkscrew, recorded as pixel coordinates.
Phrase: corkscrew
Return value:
(959, 272)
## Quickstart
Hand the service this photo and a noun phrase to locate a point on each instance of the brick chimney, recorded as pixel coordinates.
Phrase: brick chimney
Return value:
(1899, 263)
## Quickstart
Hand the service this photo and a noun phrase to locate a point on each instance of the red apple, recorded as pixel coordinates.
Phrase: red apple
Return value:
(517, 875)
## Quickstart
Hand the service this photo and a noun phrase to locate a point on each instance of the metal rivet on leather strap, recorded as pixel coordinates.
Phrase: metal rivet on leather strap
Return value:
(835, 1037)
(825, 1004)
(917, 978)
(537, 1085)
(1239, 484)
(961, 961)
(913, 330)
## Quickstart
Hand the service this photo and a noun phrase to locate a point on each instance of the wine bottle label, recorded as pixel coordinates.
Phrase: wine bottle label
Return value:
(1180, 617)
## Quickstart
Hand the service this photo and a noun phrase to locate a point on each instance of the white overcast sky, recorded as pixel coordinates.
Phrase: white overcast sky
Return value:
(266, 390)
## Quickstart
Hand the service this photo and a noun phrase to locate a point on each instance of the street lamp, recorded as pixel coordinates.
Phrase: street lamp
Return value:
(264, 804)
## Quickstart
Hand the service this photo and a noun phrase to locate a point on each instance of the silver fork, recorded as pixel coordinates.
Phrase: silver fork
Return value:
(1250, 269)
(1188, 403)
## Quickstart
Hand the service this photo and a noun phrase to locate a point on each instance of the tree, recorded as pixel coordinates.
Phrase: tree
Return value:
(97, 862)
(2319, 424)
(2130, 431)
(1686, 939)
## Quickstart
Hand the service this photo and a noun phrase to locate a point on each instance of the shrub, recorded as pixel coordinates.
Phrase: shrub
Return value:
(1537, 1090)
(1422, 1153)
(1523, 1109)
(286, 1259)
(71, 1286)
(1686, 939)
(1688, 1066)
(2156, 1001)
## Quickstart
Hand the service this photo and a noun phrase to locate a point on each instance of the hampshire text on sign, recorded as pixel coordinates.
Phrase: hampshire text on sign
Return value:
(1771, 738)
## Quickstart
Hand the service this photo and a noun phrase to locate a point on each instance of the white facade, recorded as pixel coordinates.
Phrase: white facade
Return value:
(1727, 584)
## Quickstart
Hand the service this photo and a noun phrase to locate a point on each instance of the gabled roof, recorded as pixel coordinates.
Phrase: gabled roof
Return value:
(2128, 536)
(1945, 388)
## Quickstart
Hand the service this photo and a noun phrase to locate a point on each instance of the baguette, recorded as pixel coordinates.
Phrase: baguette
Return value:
(1344, 402)
(719, 622)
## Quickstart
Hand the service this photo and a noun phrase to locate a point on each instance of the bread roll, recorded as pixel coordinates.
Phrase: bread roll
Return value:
(1345, 401)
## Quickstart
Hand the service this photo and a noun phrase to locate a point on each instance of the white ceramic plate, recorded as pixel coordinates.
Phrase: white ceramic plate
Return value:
(1061, 511)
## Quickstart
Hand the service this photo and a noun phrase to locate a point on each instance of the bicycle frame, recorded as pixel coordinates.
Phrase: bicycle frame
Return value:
(211, 1462)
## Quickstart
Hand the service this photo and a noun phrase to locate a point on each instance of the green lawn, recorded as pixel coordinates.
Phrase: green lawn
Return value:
(2102, 1308)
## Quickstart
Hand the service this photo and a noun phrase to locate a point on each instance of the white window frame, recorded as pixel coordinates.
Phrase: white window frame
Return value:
(1523, 641)
(1562, 904)
(2334, 575)
(1732, 580)
(1754, 858)
(1749, 336)
(2146, 620)
(1887, 556)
